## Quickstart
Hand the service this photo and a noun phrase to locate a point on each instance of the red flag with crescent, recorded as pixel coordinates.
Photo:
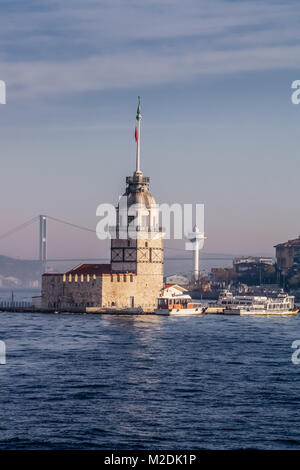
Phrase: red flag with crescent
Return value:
(136, 134)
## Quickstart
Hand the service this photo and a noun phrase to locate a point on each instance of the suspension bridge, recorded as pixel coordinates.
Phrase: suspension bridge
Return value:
(41, 221)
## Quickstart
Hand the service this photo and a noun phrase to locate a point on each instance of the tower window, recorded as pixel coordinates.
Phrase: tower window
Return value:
(124, 278)
(88, 278)
(146, 244)
(111, 278)
(70, 277)
(131, 278)
(118, 277)
(82, 277)
(145, 222)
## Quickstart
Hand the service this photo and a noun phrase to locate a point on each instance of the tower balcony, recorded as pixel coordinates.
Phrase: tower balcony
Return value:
(137, 179)
(117, 231)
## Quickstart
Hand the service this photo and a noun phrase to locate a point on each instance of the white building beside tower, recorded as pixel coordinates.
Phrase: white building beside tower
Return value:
(134, 278)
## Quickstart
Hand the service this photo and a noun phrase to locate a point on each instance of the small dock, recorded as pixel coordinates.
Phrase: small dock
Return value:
(16, 306)
(214, 309)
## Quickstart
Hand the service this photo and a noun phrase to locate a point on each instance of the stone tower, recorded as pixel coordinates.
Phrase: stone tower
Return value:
(137, 245)
(133, 281)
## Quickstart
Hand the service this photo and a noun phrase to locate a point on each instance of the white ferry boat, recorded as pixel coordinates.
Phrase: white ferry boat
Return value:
(179, 305)
(283, 304)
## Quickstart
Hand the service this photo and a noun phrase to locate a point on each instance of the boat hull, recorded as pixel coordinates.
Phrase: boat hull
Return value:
(242, 312)
(180, 312)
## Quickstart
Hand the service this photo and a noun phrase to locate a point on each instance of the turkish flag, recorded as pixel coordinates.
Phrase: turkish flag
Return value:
(136, 134)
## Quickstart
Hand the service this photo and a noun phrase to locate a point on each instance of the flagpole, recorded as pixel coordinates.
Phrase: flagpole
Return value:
(138, 140)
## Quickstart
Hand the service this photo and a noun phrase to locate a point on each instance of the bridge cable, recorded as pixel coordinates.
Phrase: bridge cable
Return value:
(70, 224)
(19, 227)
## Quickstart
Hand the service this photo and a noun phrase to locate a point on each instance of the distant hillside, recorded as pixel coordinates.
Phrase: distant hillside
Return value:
(19, 273)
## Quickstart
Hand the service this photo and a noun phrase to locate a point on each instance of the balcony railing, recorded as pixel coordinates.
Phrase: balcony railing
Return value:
(137, 179)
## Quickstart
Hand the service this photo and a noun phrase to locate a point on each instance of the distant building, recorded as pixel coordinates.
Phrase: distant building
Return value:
(288, 255)
(248, 270)
(245, 263)
(222, 276)
(177, 279)
(134, 278)
(170, 290)
(254, 269)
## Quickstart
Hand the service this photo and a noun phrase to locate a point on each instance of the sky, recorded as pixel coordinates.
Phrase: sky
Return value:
(218, 127)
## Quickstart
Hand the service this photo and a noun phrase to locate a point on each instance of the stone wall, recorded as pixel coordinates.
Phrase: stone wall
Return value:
(139, 288)
(61, 291)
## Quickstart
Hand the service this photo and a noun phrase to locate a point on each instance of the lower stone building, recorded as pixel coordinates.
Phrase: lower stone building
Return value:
(94, 287)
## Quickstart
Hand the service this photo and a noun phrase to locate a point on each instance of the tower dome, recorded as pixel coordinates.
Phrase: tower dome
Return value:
(142, 198)
(137, 191)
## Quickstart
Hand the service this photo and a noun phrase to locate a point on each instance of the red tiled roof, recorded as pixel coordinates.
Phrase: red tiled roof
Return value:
(183, 289)
(52, 274)
(294, 242)
(91, 269)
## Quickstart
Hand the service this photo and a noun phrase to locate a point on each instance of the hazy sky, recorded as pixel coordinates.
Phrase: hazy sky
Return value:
(218, 124)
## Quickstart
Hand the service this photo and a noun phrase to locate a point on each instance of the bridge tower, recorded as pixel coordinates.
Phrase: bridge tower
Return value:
(43, 240)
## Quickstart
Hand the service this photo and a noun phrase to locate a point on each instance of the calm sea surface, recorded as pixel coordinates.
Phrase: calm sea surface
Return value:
(147, 382)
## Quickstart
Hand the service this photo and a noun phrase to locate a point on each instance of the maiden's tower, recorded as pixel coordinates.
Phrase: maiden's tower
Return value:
(134, 278)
